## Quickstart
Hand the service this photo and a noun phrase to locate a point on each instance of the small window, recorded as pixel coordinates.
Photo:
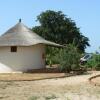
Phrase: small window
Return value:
(13, 49)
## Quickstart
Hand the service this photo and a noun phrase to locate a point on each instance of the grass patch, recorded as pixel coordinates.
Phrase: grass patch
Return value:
(68, 98)
(50, 97)
(33, 98)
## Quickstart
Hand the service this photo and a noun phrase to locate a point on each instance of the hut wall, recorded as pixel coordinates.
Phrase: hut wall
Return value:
(26, 58)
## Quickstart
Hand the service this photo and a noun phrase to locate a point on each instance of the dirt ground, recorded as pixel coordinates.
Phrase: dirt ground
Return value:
(29, 76)
(69, 88)
(96, 81)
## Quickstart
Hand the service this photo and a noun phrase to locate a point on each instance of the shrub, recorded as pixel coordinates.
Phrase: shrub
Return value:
(94, 63)
(97, 66)
(68, 58)
(51, 53)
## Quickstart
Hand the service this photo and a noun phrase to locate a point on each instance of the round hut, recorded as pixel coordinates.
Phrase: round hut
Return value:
(21, 50)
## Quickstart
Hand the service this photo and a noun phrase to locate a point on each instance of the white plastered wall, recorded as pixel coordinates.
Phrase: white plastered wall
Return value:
(26, 58)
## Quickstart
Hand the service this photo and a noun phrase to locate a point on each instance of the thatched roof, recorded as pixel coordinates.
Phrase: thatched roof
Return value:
(21, 35)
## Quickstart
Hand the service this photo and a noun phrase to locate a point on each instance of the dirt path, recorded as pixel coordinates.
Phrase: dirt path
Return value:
(69, 88)
(95, 80)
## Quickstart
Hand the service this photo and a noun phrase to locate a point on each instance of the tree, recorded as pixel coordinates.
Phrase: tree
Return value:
(57, 27)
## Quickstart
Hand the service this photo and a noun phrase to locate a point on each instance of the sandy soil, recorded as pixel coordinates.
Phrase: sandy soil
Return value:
(69, 88)
(96, 81)
(29, 76)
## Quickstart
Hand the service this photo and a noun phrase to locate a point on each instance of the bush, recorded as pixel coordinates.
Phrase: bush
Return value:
(94, 63)
(68, 58)
(97, 67)
(51, 53)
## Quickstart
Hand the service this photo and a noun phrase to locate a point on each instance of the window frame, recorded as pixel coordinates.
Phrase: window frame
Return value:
(13, 49)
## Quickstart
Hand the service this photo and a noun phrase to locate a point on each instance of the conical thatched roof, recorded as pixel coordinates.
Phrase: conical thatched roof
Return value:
(21, 35)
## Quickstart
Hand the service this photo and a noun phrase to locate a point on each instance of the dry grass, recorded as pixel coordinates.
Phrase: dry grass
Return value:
(69, 88)
(29, 77)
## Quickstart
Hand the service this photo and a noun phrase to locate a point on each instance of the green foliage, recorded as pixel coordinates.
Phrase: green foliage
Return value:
(51, 53)
(94, 63)
(69, 58)
(59, 28)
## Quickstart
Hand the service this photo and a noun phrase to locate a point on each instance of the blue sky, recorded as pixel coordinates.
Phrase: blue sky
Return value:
(86, 14)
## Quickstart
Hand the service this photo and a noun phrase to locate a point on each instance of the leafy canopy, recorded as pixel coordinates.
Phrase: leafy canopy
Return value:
(59, 28)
